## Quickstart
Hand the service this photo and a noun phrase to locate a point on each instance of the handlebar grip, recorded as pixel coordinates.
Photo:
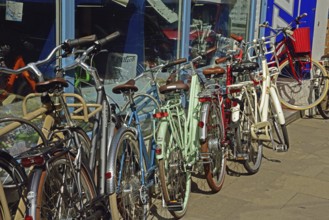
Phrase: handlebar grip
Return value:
(71, 43)
(300, 17)
(175, 62)
(237, 37)
(221, 60)
(213, 49)
(108, 38)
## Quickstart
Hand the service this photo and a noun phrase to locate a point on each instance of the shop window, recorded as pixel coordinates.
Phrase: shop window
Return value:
(28, 29)
(212, 23)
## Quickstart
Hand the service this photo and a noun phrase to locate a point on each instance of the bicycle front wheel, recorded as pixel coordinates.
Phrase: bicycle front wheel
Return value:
(211, 149)
(251, 147)
(126, 202)
(280, 132)
(304, 90)
(62, 192)
(175, 180)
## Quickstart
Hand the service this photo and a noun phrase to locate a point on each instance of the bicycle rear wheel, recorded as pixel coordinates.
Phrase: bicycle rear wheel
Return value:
(126, 202)
(211, 149)
(307, 89)
(62, 193)
(175, 180)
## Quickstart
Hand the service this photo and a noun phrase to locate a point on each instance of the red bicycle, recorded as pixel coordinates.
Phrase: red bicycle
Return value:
(302, 82)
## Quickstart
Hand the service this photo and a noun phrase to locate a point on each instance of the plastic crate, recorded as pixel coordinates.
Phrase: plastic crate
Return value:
(302, 42)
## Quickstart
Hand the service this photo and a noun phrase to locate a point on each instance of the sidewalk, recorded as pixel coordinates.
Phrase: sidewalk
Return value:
(291, 185)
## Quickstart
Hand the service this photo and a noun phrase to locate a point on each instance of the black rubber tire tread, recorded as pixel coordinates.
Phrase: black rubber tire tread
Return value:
(215, 131)
(117, 211)
(164, 179)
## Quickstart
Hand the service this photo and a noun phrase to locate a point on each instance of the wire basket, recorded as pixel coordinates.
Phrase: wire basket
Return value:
(302, 41)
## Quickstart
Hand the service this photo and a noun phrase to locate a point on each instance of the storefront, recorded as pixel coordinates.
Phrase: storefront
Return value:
(153, 31)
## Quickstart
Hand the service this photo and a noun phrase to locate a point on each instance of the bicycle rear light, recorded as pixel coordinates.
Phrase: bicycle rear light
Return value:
(158, 150)
(201, 124)
(204, 99)
(160, 115)
(30, 161)
(28, 217)
(108, 175)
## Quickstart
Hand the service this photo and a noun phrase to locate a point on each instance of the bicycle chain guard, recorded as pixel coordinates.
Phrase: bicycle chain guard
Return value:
(261, 131)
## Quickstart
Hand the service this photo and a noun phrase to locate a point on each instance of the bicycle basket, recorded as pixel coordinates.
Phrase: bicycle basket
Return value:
(302, 42)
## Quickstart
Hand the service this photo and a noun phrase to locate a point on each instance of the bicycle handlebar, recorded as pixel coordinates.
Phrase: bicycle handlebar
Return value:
(67, 46)
(286, 30)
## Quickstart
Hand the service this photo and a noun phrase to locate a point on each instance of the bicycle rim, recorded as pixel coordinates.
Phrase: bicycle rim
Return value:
(58, 196)
(175, 181)
(301, 94)
(215, 166)
(126, 202)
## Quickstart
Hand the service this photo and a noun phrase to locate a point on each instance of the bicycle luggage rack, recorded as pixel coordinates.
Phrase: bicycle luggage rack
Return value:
(88, 110)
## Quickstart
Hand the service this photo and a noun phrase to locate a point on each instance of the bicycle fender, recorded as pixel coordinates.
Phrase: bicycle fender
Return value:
(110, 163)
(161, 140)
(32, 191)
(203, 118)
(277, 106)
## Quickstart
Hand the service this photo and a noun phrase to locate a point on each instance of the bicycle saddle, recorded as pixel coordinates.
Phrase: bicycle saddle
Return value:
(174, 87)
(213, 71)
(245, 65)
(51, 85)
(129, 86)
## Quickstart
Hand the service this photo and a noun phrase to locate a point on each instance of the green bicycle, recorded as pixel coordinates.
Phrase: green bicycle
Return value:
(178, 143)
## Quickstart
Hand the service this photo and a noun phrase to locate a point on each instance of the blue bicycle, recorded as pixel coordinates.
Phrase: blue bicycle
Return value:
(132, 153)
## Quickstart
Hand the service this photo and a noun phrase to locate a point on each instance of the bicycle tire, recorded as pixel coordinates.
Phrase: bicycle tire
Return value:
(125, 203)
(215, 166)
(13, 179)
(58, 183)
(290, 91)
(323, 107)
(281, 133)
(172, 170)
(254, 148)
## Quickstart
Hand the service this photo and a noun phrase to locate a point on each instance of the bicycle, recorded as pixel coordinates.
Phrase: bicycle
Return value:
(302, 82)
(14, 180)
(133, 165)
(233, 99)
(269, 106)
(177, 139)
(72, 136)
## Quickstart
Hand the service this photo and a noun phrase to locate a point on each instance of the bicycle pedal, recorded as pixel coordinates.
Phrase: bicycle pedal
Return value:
(281, 148)
(174, 206)
(242, 156)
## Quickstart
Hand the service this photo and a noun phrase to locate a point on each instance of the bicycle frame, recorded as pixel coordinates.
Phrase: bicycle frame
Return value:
(189, 138)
